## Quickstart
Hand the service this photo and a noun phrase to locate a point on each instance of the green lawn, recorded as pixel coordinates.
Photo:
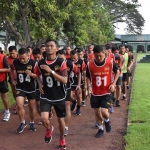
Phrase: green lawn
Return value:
(138, 132)
(10, 99)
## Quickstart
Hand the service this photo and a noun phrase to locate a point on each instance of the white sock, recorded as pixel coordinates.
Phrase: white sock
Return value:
(7, 111)
(23, 122)
(31, 122)
(106, 120)
(101, 127)
(66, 128)
(124, 95)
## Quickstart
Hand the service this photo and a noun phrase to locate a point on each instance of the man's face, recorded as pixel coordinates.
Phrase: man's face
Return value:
(116, 51)
(99, 56)
(13, 54)
(37, 57)
(51, 48)
(74, 57)
(106, 53)
(23, 58)
(42, 49)
(126, 50)
(122, 50)
(90, 49)
(80, 55)
(68, 49)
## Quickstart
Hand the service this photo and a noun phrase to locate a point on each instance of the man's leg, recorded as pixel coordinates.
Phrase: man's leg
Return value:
(60, 109)
(6, 105)
(73, 98)
(79, 101)
(124, 86)
(45, 108)
(21, 111)
(68, 112)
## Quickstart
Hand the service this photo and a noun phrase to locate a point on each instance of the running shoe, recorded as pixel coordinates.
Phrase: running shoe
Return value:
(124, 98)
(117, 103)
(26, 102)
(83, 103)
(21, 127)
(96, 125)
(99, 133)
(78, 112)
(66, 132)
(48, 135)
(111, 109)
(32, 127)
(40, 123)
(6, 117)
(108, 126)
(62, 144)
(74, 103)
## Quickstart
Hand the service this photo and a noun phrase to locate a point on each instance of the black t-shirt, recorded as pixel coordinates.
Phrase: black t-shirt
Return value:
(53, 90)
(115, 68)
(25, 82)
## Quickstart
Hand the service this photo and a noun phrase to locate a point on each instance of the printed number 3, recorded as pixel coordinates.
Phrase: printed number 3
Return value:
(100, 79)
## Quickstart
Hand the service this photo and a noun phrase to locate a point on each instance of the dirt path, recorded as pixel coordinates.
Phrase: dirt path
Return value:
(81, 132)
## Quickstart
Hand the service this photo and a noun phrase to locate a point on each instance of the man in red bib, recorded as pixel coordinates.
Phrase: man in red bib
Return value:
(100, 85)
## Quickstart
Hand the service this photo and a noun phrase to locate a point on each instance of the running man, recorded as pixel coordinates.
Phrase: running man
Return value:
(78, 92)
(4, 69)
(53, 92)
(25, 87)
(125, 70)
(100, 85)
(13, 54)
(71, 69)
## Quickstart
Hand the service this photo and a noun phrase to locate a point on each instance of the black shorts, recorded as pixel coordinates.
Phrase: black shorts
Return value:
(129, 74)
(60, 107)
(3, 87)
(119, 81)
(125, 77)
(30, 96)
(68, 96)
(37, 95)
(100, 101)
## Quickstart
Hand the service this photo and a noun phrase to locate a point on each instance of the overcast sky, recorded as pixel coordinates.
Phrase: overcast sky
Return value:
(145, 11)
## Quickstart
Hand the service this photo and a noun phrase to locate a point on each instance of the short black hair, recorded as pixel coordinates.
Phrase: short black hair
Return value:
(36, 51)
(121, 46)
(107, 47)
(126, 46)
(11, 48)
(98, 48)
(114, 48)
(73, 52)
(51, 40)
(22, 51)
(61, 52)
(43, 45)
(79, 50)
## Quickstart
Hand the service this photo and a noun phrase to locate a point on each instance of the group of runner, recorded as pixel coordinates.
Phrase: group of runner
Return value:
(62, 79)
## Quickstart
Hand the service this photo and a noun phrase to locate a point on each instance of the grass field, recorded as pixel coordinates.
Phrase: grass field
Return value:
(10, 99)
(138, 131)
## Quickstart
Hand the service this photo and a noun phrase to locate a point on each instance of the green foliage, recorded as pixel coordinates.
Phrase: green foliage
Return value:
(78, 21)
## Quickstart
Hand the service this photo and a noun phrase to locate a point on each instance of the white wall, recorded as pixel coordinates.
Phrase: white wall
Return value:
(12, 43)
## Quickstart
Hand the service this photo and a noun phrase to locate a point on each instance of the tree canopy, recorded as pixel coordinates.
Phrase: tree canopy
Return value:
(79, 22)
